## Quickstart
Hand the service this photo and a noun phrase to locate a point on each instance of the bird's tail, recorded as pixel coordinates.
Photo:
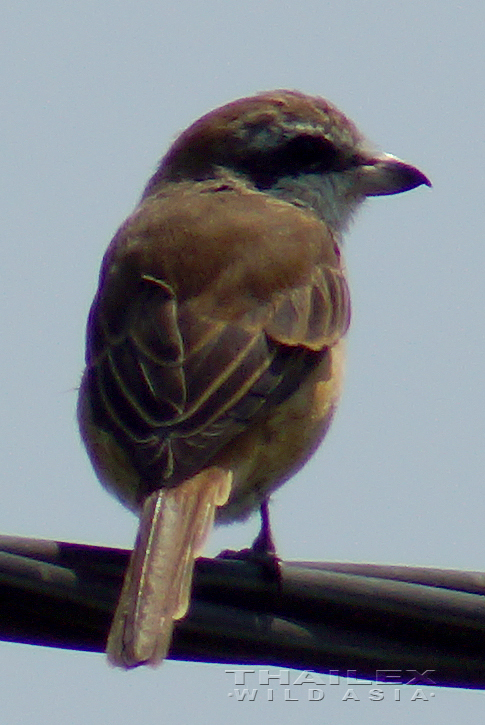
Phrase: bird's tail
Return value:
(174, 523)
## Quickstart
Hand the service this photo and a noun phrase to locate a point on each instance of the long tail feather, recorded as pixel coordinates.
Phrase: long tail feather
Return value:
(174, 524)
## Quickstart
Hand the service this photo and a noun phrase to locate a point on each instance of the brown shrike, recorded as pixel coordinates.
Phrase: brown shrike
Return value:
(214, 342)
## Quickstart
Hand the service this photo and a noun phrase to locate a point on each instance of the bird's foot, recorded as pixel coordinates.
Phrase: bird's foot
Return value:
(262, 552)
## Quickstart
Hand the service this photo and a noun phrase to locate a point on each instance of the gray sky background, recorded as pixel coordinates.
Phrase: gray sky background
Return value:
(92, 95)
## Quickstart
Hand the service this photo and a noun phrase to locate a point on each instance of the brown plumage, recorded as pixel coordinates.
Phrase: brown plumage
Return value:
(214, 349)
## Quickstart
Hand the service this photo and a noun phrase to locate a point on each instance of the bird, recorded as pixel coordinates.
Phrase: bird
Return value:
(215, 341)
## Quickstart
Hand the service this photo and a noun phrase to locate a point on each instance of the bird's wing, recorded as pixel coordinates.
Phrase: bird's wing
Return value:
(177, 386)
(175, 377)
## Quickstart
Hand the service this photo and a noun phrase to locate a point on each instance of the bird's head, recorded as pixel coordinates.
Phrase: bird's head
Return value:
(297, 147)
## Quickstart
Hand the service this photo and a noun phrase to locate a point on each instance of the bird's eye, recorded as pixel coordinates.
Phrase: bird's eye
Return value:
(305, 153)
(298, 155)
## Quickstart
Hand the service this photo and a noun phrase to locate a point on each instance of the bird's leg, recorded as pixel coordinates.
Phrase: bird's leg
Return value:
(263, 548)
(263, 544)
(263, 551)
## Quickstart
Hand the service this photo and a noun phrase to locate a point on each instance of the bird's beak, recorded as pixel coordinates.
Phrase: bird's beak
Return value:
(386, 174)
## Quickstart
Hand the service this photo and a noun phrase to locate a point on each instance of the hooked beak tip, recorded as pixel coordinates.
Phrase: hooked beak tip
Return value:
(386, 174)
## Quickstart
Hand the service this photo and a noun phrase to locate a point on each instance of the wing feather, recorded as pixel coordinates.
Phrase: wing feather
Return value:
(178, 366)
